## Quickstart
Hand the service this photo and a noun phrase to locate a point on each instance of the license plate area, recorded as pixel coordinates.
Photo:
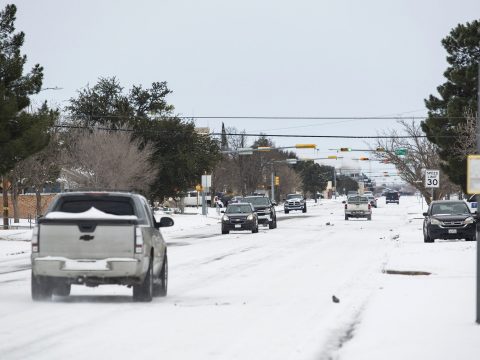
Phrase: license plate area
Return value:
(238, 226)
(452, 231)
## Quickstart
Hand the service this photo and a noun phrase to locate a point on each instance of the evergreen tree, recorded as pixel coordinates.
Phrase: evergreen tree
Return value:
(21, 134)
(458, 97)
(314, 176)
(224, 141)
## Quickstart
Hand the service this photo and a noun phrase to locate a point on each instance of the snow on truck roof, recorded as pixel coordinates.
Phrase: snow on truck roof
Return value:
(90, 214)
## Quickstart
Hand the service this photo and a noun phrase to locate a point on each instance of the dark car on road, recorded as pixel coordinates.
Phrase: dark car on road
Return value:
(448, 219)
(239, 216)
(392, 197)
(265, 210)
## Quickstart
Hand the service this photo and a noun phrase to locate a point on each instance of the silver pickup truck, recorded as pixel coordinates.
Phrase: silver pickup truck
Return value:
(358, 206)
(95, 238)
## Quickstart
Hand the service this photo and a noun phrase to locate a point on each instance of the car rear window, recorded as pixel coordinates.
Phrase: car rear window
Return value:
(109, 205)
(358, 199)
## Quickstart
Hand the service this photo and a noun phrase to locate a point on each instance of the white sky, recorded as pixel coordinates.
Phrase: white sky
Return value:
(253, 58)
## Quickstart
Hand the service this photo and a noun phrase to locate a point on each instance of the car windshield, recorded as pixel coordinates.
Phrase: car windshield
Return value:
(450, 209)
(257, 200)
(392, 195)
(294, 196)
(239, 209)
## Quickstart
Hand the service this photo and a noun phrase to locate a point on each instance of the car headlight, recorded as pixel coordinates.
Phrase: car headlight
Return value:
(469, 220)
(250, 217)
(225, 218)
(435, 222)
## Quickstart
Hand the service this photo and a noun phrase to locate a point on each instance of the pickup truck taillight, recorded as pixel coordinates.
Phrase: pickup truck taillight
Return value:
(345, 206)
(35, 245)
(369, 206)
(138, 241)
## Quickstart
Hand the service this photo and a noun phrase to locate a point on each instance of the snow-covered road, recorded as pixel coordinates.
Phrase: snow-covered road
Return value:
(262, 296)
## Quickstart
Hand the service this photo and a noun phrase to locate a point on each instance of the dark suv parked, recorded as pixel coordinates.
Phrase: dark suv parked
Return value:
(265, 210)
(448, 219)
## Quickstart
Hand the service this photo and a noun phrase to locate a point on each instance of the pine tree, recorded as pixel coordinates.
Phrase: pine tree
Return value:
(21, 134)
(458, 97)
(224, 142)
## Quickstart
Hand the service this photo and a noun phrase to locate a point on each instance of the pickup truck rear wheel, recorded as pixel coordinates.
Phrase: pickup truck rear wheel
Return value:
(286, 211)
(369, 217)
(346, 217)
(160, 288)
(62, 289)
(304, 210)
(144, 291)
(41, 288)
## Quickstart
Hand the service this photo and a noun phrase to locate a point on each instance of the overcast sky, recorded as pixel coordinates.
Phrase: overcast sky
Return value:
(311, 58)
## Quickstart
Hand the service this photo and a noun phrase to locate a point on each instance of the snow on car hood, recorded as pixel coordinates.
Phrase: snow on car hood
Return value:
(91, 213)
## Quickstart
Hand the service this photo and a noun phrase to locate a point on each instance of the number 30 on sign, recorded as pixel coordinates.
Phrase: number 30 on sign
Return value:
(432, 178)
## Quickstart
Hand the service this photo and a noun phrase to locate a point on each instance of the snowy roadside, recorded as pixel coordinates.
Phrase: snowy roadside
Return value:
(420, 316)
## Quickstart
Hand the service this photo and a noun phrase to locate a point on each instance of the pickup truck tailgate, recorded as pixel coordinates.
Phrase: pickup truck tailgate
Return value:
(87, 239)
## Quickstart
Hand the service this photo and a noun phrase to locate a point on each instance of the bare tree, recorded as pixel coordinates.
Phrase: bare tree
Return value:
(108, 160)
(36, 172)
(420, 155)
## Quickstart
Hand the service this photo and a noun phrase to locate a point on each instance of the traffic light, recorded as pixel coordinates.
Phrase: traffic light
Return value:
(334, 157)
(345, 149)
(277, 180)
(305, 146)
(363, 158)
(380, 149)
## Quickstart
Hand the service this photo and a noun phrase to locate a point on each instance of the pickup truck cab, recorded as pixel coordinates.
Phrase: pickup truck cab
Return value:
(358, 207)
(95, 238)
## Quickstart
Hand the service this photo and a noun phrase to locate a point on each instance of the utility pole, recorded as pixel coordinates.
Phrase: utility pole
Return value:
(273, 184)
(478, 195)
(5, 202)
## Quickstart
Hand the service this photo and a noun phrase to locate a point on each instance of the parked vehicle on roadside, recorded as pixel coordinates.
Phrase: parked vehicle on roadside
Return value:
(295, 202)
(239, 216)
(96, 238)
(448, 219)
(358, 207)
(392, 197)
(265, 210)
(194, 198)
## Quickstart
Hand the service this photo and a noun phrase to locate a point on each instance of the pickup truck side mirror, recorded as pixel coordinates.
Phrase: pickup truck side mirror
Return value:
(164, 222)
(222, 211)
(274, 203)
(344, 202)
(425, 214)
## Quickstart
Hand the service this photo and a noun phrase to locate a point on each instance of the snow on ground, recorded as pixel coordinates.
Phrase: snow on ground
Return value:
(265, 295)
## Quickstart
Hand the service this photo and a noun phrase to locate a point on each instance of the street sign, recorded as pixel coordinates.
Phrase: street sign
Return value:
(206, 181)
(432, 178)
(401, 152)
(473, 174)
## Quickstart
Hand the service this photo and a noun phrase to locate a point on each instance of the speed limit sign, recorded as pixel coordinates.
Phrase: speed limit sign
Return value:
(432, 178)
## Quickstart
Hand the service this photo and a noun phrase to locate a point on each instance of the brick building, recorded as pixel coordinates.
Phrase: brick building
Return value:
(27, 204)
